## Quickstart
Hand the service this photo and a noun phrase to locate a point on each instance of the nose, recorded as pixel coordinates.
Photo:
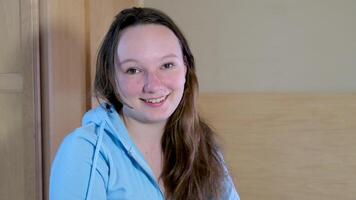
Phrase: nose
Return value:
(153, 83)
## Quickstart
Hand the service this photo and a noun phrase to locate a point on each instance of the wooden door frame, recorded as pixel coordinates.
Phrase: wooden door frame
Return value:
(32, 94)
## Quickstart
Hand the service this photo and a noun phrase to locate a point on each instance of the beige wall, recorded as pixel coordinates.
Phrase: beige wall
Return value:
(268, 46)
(282, 140)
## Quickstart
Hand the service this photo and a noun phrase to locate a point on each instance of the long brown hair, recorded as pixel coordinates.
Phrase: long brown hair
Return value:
(192, 166)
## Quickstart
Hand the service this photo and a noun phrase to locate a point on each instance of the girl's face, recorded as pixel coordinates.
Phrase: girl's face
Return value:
(150, 72)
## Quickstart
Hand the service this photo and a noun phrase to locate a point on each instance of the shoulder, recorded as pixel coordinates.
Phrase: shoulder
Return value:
(71, 170)
(230, 191)
(77, 149)
(77, 145)
(77, 140)
(83, 141)
(84, 134)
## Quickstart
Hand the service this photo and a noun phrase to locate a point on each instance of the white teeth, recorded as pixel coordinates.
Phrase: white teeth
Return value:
(158, 100)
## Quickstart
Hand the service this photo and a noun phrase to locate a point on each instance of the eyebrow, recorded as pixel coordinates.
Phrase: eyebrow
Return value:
(127, 60)
(171, 55)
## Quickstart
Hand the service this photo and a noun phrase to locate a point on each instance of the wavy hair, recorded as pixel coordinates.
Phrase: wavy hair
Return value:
(192, 166)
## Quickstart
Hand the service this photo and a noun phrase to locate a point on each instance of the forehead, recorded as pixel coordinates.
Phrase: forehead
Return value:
(147, 40)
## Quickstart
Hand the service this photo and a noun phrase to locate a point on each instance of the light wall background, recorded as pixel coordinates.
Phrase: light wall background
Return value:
(269, 46)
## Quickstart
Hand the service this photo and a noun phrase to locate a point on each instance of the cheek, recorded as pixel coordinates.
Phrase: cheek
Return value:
(129, 87)
(176, 81)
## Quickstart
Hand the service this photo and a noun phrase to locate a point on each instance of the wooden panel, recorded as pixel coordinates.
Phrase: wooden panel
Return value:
(10, 34)
(63, 64)
(287, 146)
(20, 137)
(70, 31)
(11, 82)
(31, 100)
(12, 152)
(71, 34)
(62, 26)
(101, 14)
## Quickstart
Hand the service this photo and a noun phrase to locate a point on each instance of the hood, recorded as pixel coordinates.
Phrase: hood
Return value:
(98, 114)
(109, 123)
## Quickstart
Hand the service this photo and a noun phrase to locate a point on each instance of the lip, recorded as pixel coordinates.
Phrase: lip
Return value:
(151, 104)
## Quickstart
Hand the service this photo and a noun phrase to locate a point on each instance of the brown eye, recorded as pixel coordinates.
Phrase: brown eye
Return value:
(168, 66)
(132, 71)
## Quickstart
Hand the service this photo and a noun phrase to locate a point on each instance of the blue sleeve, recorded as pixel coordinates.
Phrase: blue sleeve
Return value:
(71, 170)
(230, 190)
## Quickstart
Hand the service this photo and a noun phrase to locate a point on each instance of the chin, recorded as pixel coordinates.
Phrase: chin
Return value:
(158, 115)
(157, 119)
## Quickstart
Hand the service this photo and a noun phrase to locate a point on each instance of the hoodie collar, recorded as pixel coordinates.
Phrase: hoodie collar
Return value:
(106, 117)
(115, 125)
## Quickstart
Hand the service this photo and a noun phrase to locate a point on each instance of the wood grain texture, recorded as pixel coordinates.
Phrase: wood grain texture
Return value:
(62, 28)
(20, 136)
(12, 149)
(11, 82)
(287, 146)
(10, 33)
(101, 13)
(31, 99)
(70, 31)
(66, 66)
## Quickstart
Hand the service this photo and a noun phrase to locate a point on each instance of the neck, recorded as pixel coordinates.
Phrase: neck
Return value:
(144, 134)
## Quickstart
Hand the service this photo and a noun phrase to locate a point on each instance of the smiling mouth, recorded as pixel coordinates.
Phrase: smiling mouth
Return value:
(155, 100)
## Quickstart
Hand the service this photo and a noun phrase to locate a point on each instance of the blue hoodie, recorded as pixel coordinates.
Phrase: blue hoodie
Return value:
(99, 161)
